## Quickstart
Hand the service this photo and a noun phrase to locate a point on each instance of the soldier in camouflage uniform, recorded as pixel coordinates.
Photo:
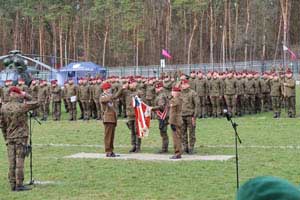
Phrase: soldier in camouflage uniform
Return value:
(230, 91)
(22, 86)
(92, 105)
(189, 115)
(209, 108)
(275, 93)
(5, 91)
(80, 82)
(192, 80)
(222, 106)
(84, 94)
(201, 90)
(42, 99)
(56, 100)
(175, 121)
(161, 104)
(48, 100)
(215, 94)
(240, 91)
(250, 93)
(290, 94)
(13, 122)
(97, 91)
(72, 97)
(265, 92)
(64, 96)
(257, 93)
(33, 91)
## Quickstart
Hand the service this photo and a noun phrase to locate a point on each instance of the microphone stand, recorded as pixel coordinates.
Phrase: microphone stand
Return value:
(31, 116)
(237, 139)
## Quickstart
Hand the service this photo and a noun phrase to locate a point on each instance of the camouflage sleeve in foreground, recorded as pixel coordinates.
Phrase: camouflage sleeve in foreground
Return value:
(30, 105)
(3, 126)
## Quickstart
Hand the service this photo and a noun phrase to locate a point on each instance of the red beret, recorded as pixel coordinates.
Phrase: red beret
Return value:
(15, 90)
(159, 85)
(176, 89)
(106, 86)
(132, 80)
(53, 81)
(185, 81)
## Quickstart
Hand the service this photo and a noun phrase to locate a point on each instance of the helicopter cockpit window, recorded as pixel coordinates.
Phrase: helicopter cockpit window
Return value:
(71, 74)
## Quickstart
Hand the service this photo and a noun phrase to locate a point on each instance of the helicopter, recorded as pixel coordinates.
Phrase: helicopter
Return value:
(16, 67)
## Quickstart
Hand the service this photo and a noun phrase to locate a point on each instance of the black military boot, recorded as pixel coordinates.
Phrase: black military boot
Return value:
(137, 150)
(176, 157)
(275, 115)
(133, 149)
(22, 188)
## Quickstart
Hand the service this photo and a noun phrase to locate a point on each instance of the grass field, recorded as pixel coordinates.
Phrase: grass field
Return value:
(270, 147)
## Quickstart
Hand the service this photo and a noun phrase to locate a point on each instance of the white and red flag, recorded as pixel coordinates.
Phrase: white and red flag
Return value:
(293, 55)
(142, 116)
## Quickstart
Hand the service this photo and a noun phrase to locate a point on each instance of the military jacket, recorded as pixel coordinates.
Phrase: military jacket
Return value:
(175, 111)
(189, 102)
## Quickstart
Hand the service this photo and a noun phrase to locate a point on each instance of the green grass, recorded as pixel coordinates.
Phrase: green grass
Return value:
(119, 179)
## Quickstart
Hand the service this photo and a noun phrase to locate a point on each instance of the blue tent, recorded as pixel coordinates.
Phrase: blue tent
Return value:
(80, 69)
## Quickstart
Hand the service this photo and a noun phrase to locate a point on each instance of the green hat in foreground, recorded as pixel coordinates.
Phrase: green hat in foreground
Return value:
(268, 188)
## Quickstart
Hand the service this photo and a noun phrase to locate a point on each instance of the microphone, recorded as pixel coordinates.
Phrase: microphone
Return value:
(227, 114)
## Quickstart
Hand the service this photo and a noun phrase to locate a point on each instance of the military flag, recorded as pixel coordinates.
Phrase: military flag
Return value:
(142, 116)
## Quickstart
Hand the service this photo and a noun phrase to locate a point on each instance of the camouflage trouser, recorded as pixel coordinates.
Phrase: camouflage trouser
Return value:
(209, 108)
(265, 101)
(56, 110)
(177, 139)
(43, 110)
(116, 105)
(109, 135)
(16, 156)
(215, 101)
(163, 128)
(202, 106)
(188, 140)
(66, 105)
(276, 104)
(257, 103)
(222, 105)
(250, 102)
(135, 140)
(48, 107)
(92, 109)
(72, 110)
(240, 104)
(123, 102)
(231, 103)
(98, 108)
(80, 108)
(86, 109)
(291, 106)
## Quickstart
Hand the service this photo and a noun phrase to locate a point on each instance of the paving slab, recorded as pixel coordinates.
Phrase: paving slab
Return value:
(152, 157)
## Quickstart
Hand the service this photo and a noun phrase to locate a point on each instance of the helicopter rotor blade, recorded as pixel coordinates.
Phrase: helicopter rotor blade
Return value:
(38, 62)
(3, 57)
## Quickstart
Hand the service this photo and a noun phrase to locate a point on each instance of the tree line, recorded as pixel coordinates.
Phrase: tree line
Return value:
(133, 32)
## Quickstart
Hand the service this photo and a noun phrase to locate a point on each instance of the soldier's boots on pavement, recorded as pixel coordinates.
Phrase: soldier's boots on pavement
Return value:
(135, 149)
(176, 157)
(20, 188)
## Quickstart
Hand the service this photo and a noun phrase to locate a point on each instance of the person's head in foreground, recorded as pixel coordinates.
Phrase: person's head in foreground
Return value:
(268, 188)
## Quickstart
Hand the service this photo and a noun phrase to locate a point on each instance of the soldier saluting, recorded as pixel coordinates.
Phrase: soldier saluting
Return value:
(13, 122)
(109, 119)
